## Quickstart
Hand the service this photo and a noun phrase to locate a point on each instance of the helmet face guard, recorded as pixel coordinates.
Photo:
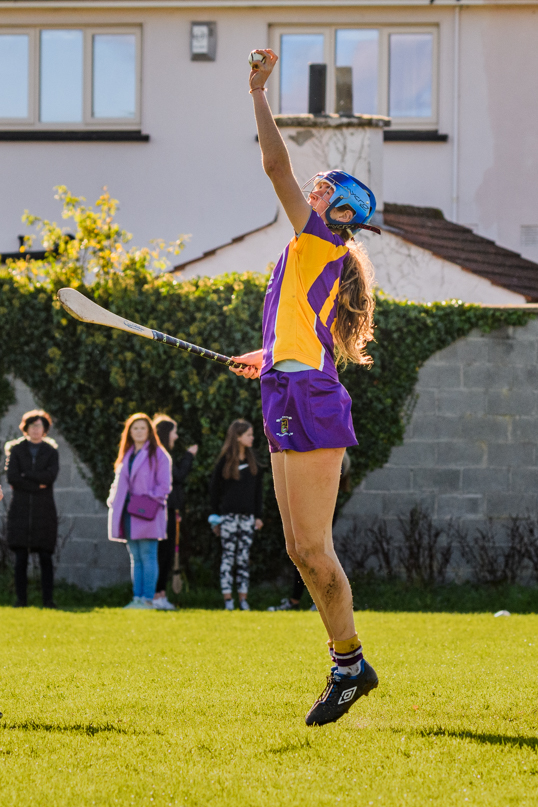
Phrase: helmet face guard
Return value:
(347, 191)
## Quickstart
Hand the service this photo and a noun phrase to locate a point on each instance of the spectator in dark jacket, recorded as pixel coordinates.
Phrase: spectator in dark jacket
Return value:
(236, 507)
(166, 428)
(32, 524)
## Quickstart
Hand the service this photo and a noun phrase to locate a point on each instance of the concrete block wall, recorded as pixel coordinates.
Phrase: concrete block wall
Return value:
(471, 447)
(84, 555)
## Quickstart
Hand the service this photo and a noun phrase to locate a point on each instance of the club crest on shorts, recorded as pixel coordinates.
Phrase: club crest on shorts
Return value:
(347, 695)
(284, 426)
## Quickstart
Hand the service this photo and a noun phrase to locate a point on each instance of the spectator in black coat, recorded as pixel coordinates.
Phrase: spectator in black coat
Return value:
(32, 524)
(166, 429)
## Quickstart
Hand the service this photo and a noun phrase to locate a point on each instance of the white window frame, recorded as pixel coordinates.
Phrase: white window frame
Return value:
(88, 122)
(385, 30)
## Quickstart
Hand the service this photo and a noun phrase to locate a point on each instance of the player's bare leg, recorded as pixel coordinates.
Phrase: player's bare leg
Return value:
(279, 479)
(306, 485)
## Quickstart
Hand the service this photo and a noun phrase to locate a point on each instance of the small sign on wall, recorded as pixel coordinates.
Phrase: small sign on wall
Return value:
(203, 41)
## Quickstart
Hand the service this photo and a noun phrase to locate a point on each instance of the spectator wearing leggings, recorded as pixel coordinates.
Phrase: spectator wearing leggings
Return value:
(236, 507)
(32, 526)
(166, 429)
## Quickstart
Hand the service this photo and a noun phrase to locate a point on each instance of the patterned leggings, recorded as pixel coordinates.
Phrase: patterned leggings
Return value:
(236, 534)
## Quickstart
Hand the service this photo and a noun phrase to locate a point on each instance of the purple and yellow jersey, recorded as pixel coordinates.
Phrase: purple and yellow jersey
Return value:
(302, 298)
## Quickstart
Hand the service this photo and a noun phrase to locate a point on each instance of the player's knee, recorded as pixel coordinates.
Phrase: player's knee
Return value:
(308, 557)
(293, 554)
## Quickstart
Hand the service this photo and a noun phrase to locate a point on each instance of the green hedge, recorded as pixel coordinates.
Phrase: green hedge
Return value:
(92, 378)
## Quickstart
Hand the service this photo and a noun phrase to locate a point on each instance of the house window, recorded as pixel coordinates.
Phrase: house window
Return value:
(61, 76)
(297, 52)
(14, 61)
(114, 76)
(410, 75)
(359, 49)
(393, 69)
(70, 78)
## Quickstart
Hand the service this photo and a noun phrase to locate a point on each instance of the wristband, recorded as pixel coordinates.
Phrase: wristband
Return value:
(263, 89)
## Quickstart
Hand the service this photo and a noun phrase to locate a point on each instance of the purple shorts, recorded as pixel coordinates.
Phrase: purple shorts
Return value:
(305, 410)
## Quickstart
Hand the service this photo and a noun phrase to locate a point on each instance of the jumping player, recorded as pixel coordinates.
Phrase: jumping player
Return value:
(318, 299)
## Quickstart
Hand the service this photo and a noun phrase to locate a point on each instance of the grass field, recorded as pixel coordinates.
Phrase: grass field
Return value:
(111, 707)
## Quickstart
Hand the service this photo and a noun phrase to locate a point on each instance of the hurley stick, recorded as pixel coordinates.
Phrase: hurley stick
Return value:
(86, 310)
(177, 582)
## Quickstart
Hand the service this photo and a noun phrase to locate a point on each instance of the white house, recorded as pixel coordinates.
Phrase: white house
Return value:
(150, 98)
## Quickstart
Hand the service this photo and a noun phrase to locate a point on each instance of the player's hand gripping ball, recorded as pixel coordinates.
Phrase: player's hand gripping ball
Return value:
(256, 59)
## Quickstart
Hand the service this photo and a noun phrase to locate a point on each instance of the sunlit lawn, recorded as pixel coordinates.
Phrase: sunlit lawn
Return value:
(113, 707)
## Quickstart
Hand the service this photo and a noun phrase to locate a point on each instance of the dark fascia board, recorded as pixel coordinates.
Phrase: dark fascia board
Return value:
(87, 135)
(414, 135)
(36, 255)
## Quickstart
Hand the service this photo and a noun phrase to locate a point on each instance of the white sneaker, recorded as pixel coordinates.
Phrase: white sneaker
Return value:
(163, 604)
(313, 607)
(285, 605)
(229, 605)
(243, 605)
(137, 602)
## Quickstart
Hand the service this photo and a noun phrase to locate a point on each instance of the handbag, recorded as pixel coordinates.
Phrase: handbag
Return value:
(143, 506)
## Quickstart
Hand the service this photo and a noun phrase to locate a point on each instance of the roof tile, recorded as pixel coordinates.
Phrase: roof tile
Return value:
(427, 228)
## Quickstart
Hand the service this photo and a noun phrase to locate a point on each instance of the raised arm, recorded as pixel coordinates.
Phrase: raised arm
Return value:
(275, 158)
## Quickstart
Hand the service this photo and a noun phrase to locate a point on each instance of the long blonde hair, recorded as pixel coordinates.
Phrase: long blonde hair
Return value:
(354, 323)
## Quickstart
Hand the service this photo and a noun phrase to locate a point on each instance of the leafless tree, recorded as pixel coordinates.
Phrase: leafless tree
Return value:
(423, 553)
(355, 550)
(383, 548)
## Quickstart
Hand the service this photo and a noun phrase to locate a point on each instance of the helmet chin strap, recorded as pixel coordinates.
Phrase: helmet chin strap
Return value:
(356, 227)
(368, 227)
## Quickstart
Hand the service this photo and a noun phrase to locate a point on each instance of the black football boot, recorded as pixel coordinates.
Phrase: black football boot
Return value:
(340, 694)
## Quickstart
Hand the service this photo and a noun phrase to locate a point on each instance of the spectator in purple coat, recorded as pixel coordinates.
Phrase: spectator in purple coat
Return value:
(143, 468)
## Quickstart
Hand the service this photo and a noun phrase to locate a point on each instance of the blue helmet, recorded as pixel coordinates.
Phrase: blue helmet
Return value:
(347, 191)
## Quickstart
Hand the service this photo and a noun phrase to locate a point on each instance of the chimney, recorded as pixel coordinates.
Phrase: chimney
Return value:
(317, 89)
(344, 91)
